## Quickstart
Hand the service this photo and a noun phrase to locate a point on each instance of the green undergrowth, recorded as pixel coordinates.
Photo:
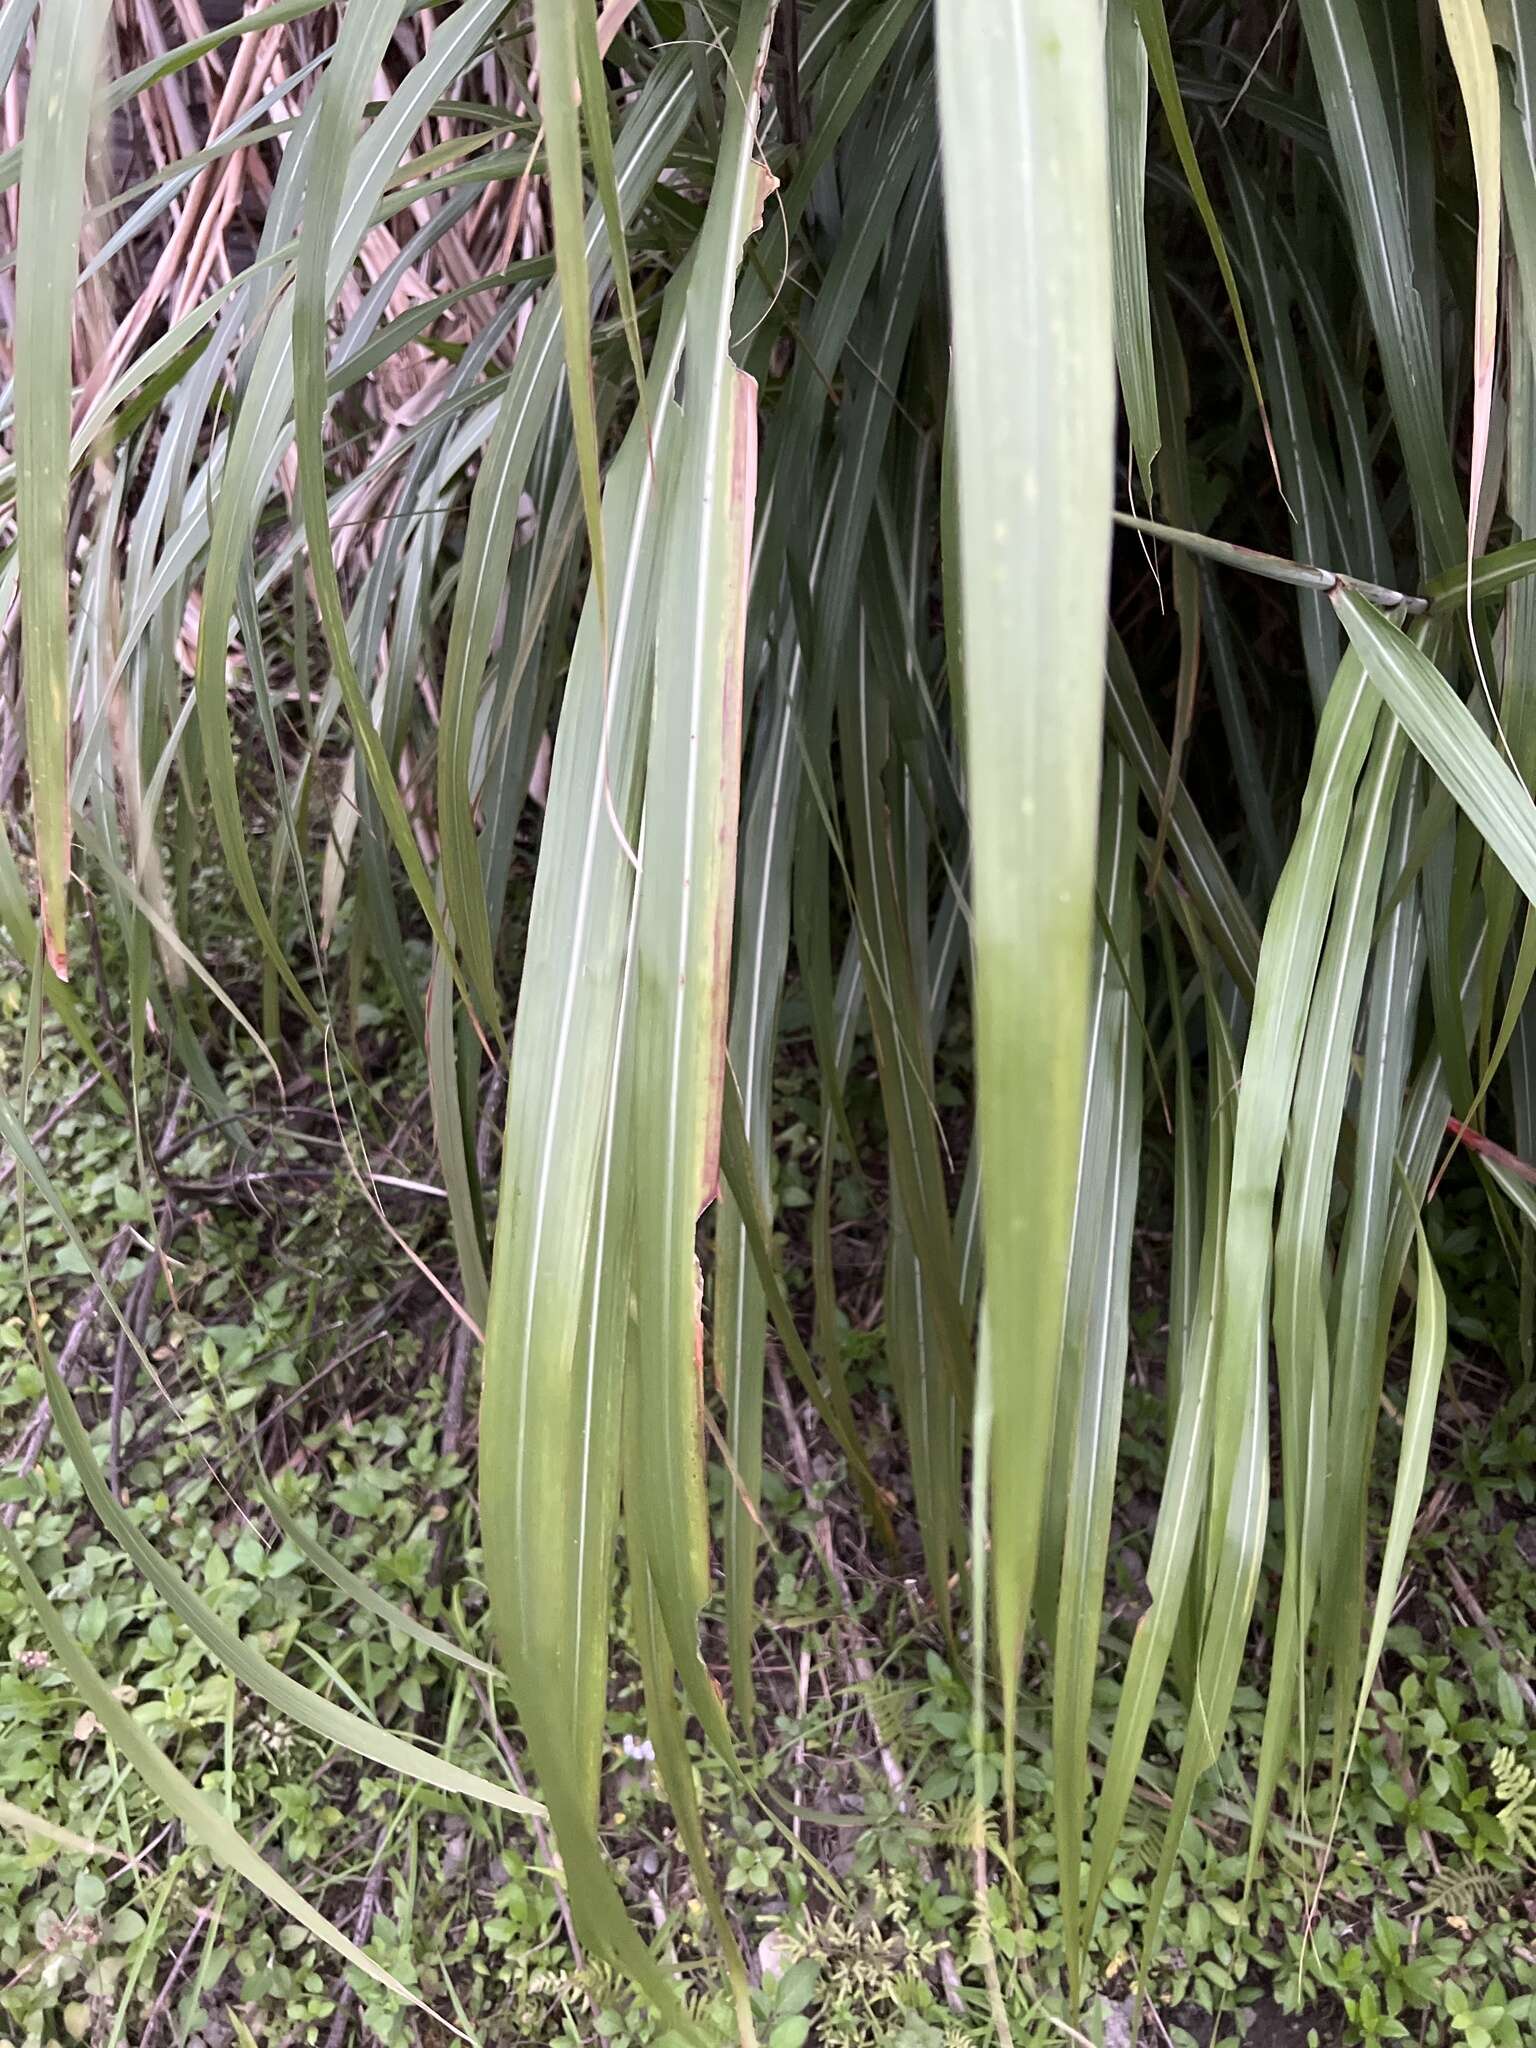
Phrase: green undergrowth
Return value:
(304, 1344)
(300, 1340)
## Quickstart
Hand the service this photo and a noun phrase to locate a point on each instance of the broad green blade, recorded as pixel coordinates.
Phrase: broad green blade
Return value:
(1021, 107)
(540, 1468)
(686, 891)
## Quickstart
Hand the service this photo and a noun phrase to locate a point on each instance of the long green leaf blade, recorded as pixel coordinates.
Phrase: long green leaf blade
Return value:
(1021, 105)
(59, 111)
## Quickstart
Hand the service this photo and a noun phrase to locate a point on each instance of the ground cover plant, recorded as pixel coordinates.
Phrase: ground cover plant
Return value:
(769, 1086)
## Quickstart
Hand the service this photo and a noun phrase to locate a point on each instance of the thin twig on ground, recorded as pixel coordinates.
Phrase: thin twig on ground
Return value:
(161, 2006)
(362, 1927)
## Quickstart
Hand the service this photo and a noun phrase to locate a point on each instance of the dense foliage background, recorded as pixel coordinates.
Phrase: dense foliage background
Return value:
(768, 1066)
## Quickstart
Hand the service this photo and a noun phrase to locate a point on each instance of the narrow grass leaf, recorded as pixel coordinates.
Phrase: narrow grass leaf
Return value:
(1174, 1538)
(651, 129)
(60, 102)
(1154, 34)
(1377, 207)
(1097, 1333)
(1125, 62)
(554, 23)
(286, 1695)
(1429, 1344)
(1466, 31)
(1302, 1253)
(1451, 741)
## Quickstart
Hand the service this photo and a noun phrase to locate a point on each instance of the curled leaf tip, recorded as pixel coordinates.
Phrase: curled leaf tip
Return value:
(766, 185)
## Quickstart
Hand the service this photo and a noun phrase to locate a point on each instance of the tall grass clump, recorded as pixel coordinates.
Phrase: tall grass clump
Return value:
(1018, 519)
